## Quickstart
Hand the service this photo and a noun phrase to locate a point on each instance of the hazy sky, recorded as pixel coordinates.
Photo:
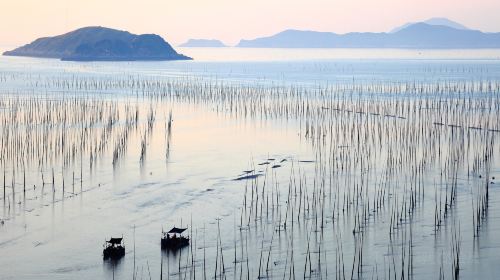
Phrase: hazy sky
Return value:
(22, 21)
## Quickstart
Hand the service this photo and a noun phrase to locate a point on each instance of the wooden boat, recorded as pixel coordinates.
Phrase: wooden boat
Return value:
(113, 249)
(173, 239)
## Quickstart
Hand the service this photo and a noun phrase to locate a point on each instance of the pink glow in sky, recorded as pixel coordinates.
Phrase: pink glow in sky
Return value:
(22, 21)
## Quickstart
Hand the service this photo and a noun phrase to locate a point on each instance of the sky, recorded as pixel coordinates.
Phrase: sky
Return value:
(22, 21)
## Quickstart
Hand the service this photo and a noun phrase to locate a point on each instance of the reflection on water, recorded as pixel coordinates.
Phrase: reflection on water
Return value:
(358, 169)
(111, 266)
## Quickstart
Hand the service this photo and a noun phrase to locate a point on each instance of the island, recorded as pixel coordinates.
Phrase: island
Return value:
(98, 43)
(435, 34)
(202, 43)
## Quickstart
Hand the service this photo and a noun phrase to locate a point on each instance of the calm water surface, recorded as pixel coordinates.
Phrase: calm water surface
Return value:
(367, 177)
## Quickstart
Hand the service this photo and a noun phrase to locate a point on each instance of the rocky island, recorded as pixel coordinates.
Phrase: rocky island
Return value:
(100, 44)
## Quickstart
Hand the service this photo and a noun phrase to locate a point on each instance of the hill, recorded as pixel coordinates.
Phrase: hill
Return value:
(100, 44)
(434, 21)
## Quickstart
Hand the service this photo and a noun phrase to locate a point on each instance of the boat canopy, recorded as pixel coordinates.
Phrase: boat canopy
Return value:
(177, 230)
(115, 240)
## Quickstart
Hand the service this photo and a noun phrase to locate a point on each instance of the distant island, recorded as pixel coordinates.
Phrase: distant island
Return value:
(203, 43)
(100, 44)
(434, 21)
(419, 35)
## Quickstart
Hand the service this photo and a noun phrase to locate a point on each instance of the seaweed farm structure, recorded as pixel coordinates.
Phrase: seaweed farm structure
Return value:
(381, 175)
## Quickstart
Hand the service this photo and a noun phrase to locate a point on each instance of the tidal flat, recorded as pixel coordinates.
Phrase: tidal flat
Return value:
(296, 167)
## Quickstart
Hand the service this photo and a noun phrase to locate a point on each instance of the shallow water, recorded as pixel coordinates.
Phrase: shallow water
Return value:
(344, 131)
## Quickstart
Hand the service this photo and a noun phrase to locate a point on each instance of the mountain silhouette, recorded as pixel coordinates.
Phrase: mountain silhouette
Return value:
(417, 35)
(100, 44)
(203, 43)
